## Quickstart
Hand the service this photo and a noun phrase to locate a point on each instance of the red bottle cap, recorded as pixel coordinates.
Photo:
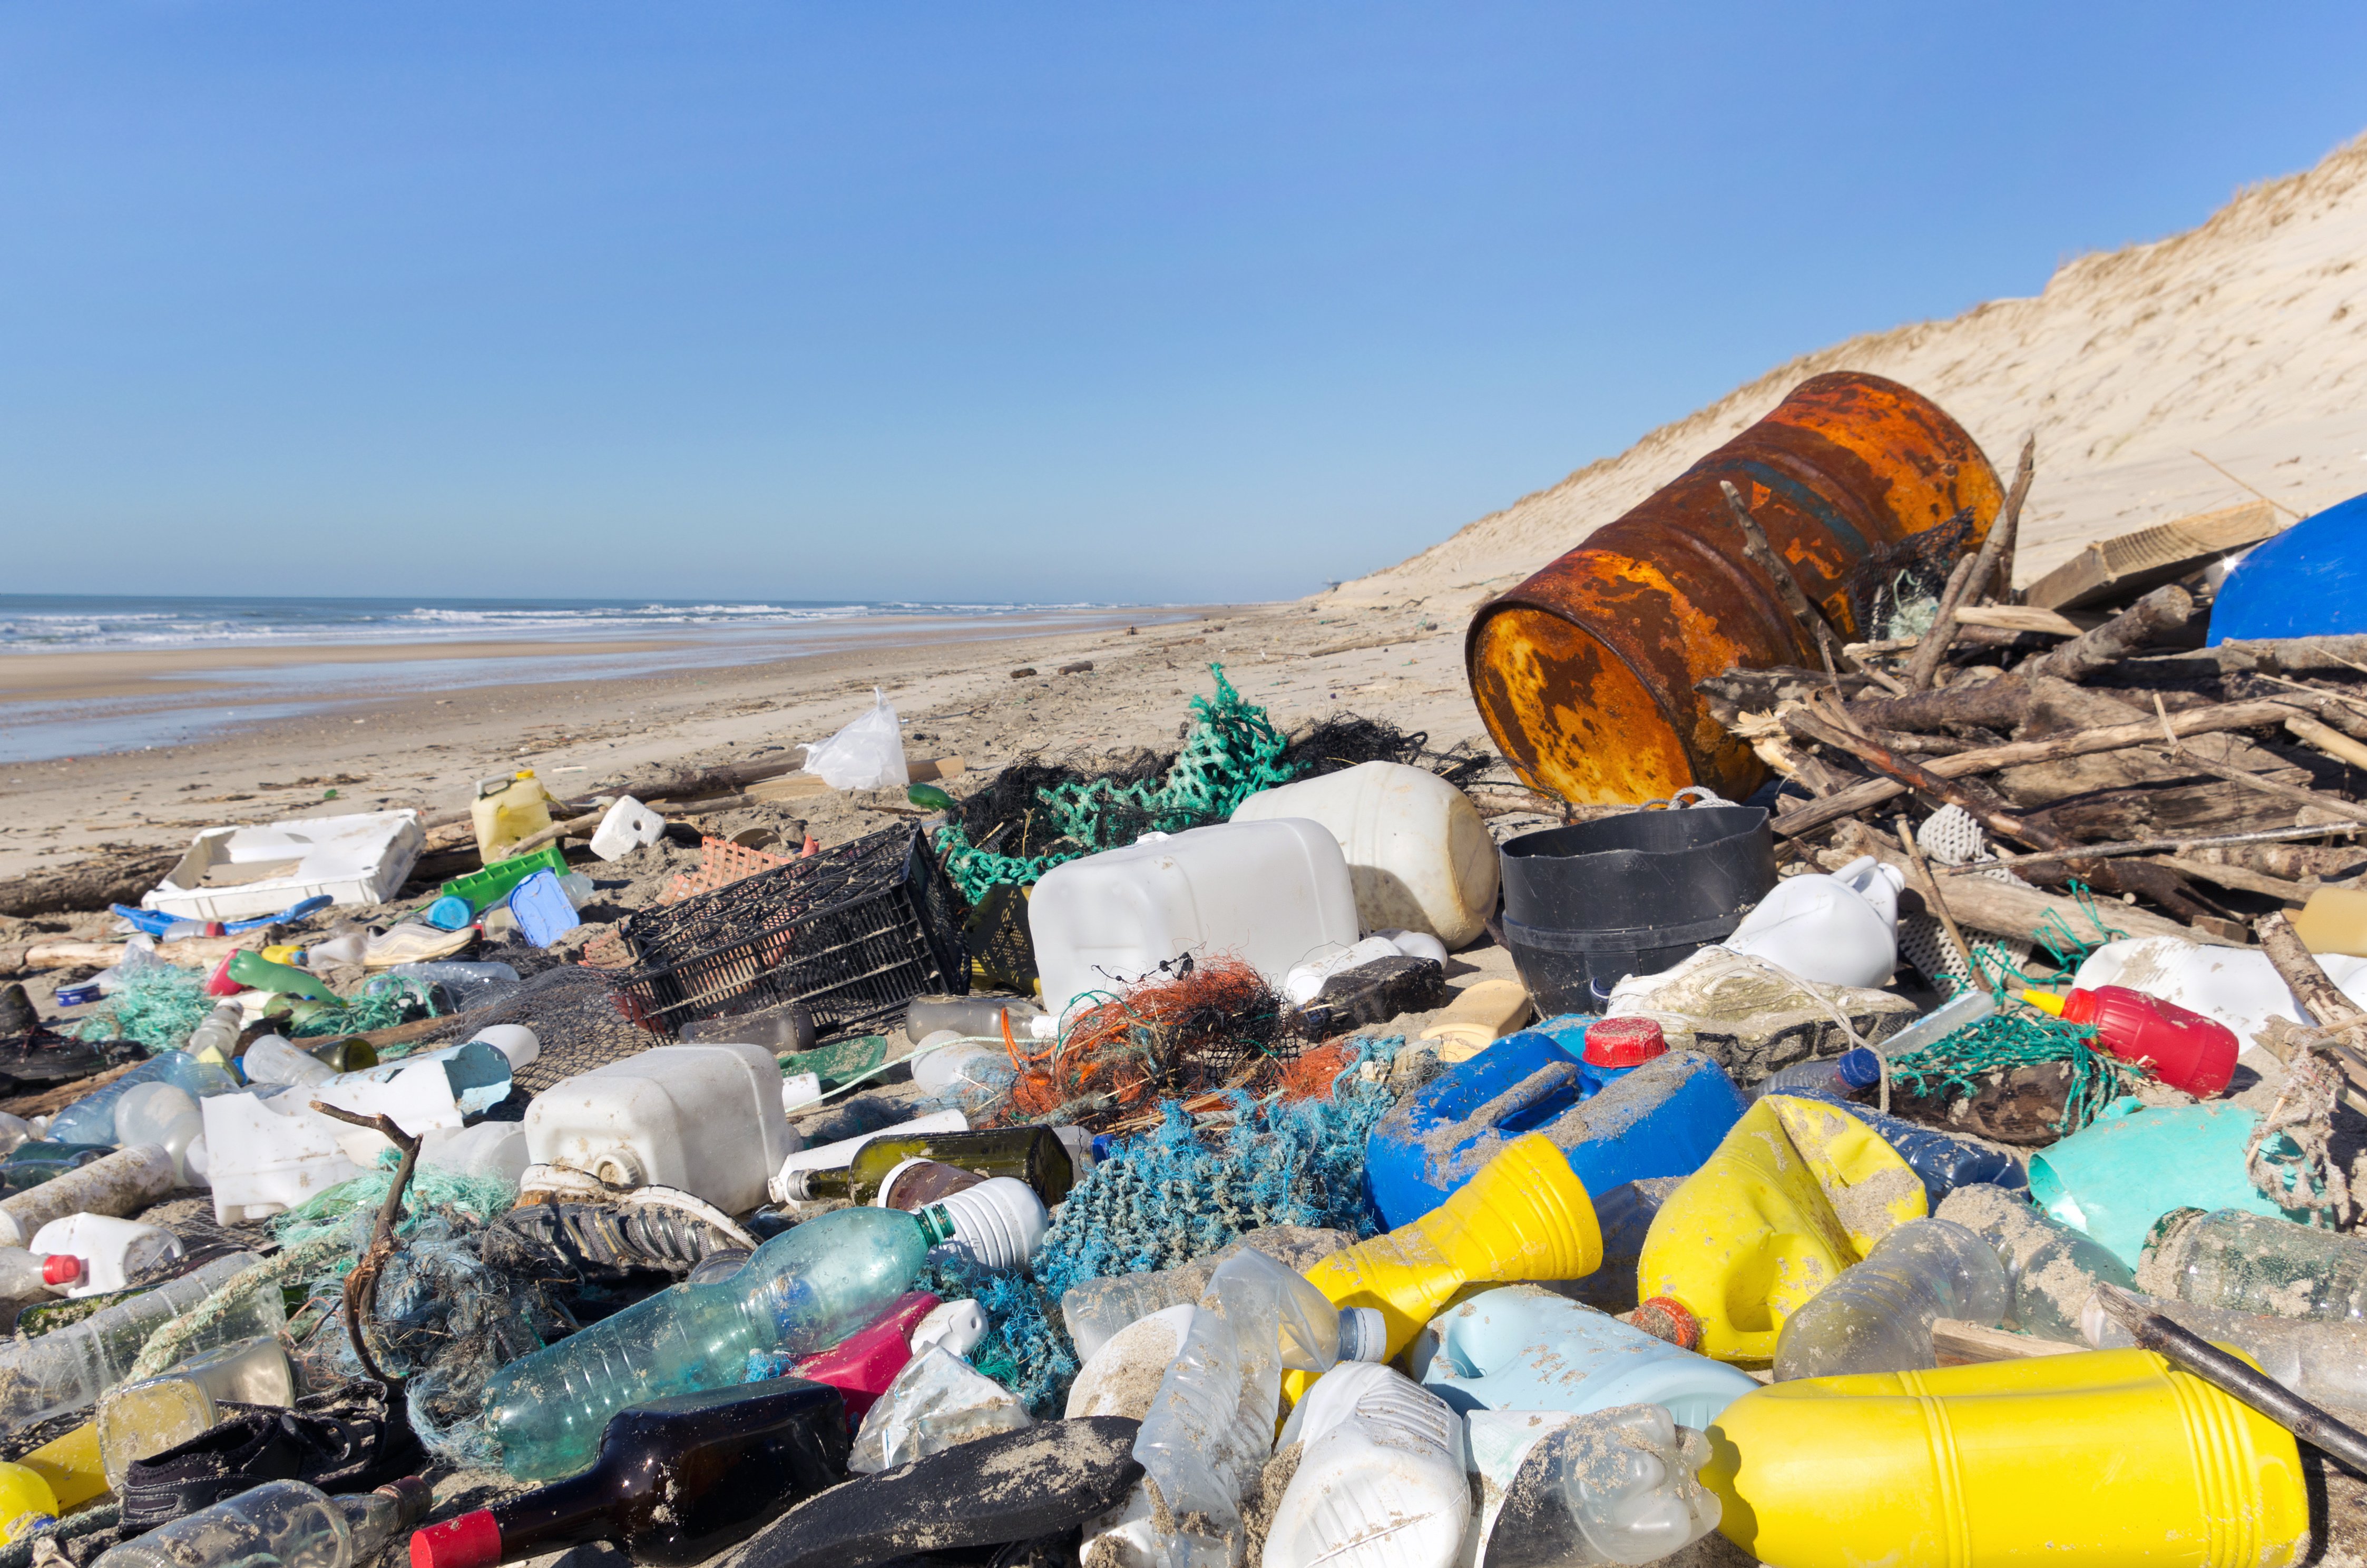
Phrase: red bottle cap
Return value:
(1624, 1041)
(1665, 1317)
(472, 1541)
(60, 1268)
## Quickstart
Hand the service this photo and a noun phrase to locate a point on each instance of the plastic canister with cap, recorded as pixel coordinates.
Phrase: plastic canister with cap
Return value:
(1617, 1046)
(110, 1251)
(1524, 1348)
(998, 1224)
(2186, 1050)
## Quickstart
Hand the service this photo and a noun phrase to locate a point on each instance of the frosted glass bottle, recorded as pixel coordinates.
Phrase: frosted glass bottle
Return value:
(802, 1291)
(1877, 1316)
(69, 1368)
(280, 1524)
(2255, 1263)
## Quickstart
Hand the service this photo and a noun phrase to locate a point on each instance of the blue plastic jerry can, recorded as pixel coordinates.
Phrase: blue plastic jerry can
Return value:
(1662, 1116)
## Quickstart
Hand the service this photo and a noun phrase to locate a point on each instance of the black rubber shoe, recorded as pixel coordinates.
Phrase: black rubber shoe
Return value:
(352, 1440)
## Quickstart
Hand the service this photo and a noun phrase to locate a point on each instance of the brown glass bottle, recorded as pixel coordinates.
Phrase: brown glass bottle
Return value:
(1035, 1154)
(677, 1481)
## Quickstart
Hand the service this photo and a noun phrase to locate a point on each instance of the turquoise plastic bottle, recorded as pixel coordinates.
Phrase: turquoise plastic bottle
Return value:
(1524, 1348)
(803, 1290)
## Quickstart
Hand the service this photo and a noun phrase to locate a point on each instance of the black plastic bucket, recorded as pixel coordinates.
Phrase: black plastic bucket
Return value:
(1628, 895)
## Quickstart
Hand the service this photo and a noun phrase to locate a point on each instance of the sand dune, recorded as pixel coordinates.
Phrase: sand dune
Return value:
(2245, 338)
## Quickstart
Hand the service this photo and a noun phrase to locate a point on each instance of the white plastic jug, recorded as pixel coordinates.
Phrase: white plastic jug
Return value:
(705, 1119)
(625, 826)
(263, 1163)
(1841, 930)
(1380, 1479)
(2236, 986)
(494, 1150)
(1418, 853)
(1273, 894)
(110, 1251)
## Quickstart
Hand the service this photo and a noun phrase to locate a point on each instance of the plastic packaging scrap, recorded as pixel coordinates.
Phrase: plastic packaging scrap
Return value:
(1752, 1016)
(1524, 1348)
(1618, 1486)
(869, 753)
(2138, 1163)
(936, 1402)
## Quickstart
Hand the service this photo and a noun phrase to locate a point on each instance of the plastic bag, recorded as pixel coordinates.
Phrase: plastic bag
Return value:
(936, 1402)
(867, 755)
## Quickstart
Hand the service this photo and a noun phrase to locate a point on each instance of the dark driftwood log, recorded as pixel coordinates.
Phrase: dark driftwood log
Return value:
(2198, 721)
(2158, 883)
(86, 885)
(2143, 624)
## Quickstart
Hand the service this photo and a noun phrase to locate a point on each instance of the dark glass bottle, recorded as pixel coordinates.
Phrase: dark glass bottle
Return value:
(677, 1481)
(1035, 1154)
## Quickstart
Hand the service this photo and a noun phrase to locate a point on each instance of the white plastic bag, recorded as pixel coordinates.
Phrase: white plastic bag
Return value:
(867, 755)
(937, 1402)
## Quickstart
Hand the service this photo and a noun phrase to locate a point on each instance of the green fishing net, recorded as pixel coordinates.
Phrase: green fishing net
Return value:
(478, 1198)
(159, 1005)
(1233, 752)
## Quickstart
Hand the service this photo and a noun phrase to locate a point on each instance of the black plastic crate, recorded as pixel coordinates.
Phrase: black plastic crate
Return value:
(853, 932)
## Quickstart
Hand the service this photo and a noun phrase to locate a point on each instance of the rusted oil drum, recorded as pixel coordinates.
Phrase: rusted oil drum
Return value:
(1584, 674)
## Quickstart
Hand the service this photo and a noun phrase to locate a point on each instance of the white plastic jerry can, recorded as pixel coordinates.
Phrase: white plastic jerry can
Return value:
(705, 1118)
(1418, 853)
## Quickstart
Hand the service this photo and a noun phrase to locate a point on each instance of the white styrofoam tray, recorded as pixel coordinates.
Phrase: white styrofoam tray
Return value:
(231, 873)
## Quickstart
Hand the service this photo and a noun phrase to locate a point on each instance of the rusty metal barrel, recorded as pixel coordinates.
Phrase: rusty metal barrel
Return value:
(1585, 672)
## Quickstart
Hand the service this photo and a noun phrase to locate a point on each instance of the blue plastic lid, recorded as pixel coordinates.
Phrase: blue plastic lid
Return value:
(544, 914)
(1859, 1068)
(450, 913)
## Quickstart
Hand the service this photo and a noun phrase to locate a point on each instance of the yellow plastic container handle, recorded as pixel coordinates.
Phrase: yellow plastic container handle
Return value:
(2101, 1460)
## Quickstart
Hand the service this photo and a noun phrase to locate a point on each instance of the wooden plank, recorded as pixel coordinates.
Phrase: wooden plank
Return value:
(2151, 557)
(2030, 618)
(1958, 1341)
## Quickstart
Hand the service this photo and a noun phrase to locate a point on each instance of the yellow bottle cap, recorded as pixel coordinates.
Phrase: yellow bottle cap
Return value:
(2045, 1001)
(523, 774)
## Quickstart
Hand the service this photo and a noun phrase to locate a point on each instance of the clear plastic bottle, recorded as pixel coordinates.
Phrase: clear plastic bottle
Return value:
(14, 1130)
(90, 1120)
(1380, 1481)
(122, 1183)
(280, 1524)
(1096, 1309)
(26, 1276)
(161, 1114)
(805, 1289)
(1877, 1316)
(2254, 1263)
(2053, 1267)
(273, 1060)
(1619, 1486)
(217, 1036)
(2325, 1362)
(69, 1368)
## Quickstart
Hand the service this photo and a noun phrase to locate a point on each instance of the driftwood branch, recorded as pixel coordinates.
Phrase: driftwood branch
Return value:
(2008, 908)
(1965, 585)
(2143, 624)
(361, 1285)
(2175, 846)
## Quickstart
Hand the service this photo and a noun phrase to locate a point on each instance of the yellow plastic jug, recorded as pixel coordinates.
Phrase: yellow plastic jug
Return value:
(2099, 1459)
(1795, 1193)
(504, 813)
(1525, 1216)
(71, 1466)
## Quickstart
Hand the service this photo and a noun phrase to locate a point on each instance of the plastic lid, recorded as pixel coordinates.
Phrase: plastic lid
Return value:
(523, 774)
(1364, 1334)
(2045, 1001)
(1665, 1317)
(472, 1541)
(60, 1268)
(1624, 1041)
(1859, 1068)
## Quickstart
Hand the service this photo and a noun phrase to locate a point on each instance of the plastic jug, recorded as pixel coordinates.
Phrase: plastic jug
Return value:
(1798, 1192)
(1380, 1481)
(2053, 1267)
(2185, 1050)
(1272, 894)
(1841, 930)
(1943, 1161)
(262, 1162)
(1419, 855)
(1526, 1349)
(1525, 1216)
(1661, 1119)
(506, 810)
(1561, 1490)
(705, 1119)
(110, 1251)
(1877, 1316)
(2255, 1263)
(2108, 1457)
(2236, 986)
(2114, 1178)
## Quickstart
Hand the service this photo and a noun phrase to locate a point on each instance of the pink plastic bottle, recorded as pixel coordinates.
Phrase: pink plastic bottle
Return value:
(862, 1365)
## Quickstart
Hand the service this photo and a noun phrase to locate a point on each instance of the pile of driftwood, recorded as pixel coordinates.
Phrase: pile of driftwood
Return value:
(2202, 787)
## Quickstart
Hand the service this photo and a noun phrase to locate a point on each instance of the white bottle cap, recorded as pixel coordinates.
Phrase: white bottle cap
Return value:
(1364, 1334)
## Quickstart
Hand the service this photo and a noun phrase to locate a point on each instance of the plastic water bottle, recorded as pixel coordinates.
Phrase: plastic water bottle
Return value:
(1619, 1486)
(804, 1289)
(1095, 1310)
(1842, 1078)
(69, 1368)
(1380, 1481)
(122, 1183)
(273, 1060)
(168, 1117)
(2325, 1362)
(1877, 1316)
(217, 1036)
(2054, 1268)
(280, 1524)
(90, 1120)
(2254, 1263)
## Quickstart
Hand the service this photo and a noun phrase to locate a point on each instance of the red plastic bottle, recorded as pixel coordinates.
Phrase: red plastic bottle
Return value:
(2185, 1049)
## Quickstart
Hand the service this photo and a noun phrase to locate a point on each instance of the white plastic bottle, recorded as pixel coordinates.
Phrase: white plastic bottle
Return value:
(109, 1251)
(1841, 930)
(272, 1060)
(1380, 1479)
(1418, 851)
(998, 1224)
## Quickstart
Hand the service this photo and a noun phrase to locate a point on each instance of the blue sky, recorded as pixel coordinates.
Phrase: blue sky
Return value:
(974, 301)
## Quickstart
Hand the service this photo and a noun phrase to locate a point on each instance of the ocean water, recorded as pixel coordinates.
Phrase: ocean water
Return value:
(190, 697)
